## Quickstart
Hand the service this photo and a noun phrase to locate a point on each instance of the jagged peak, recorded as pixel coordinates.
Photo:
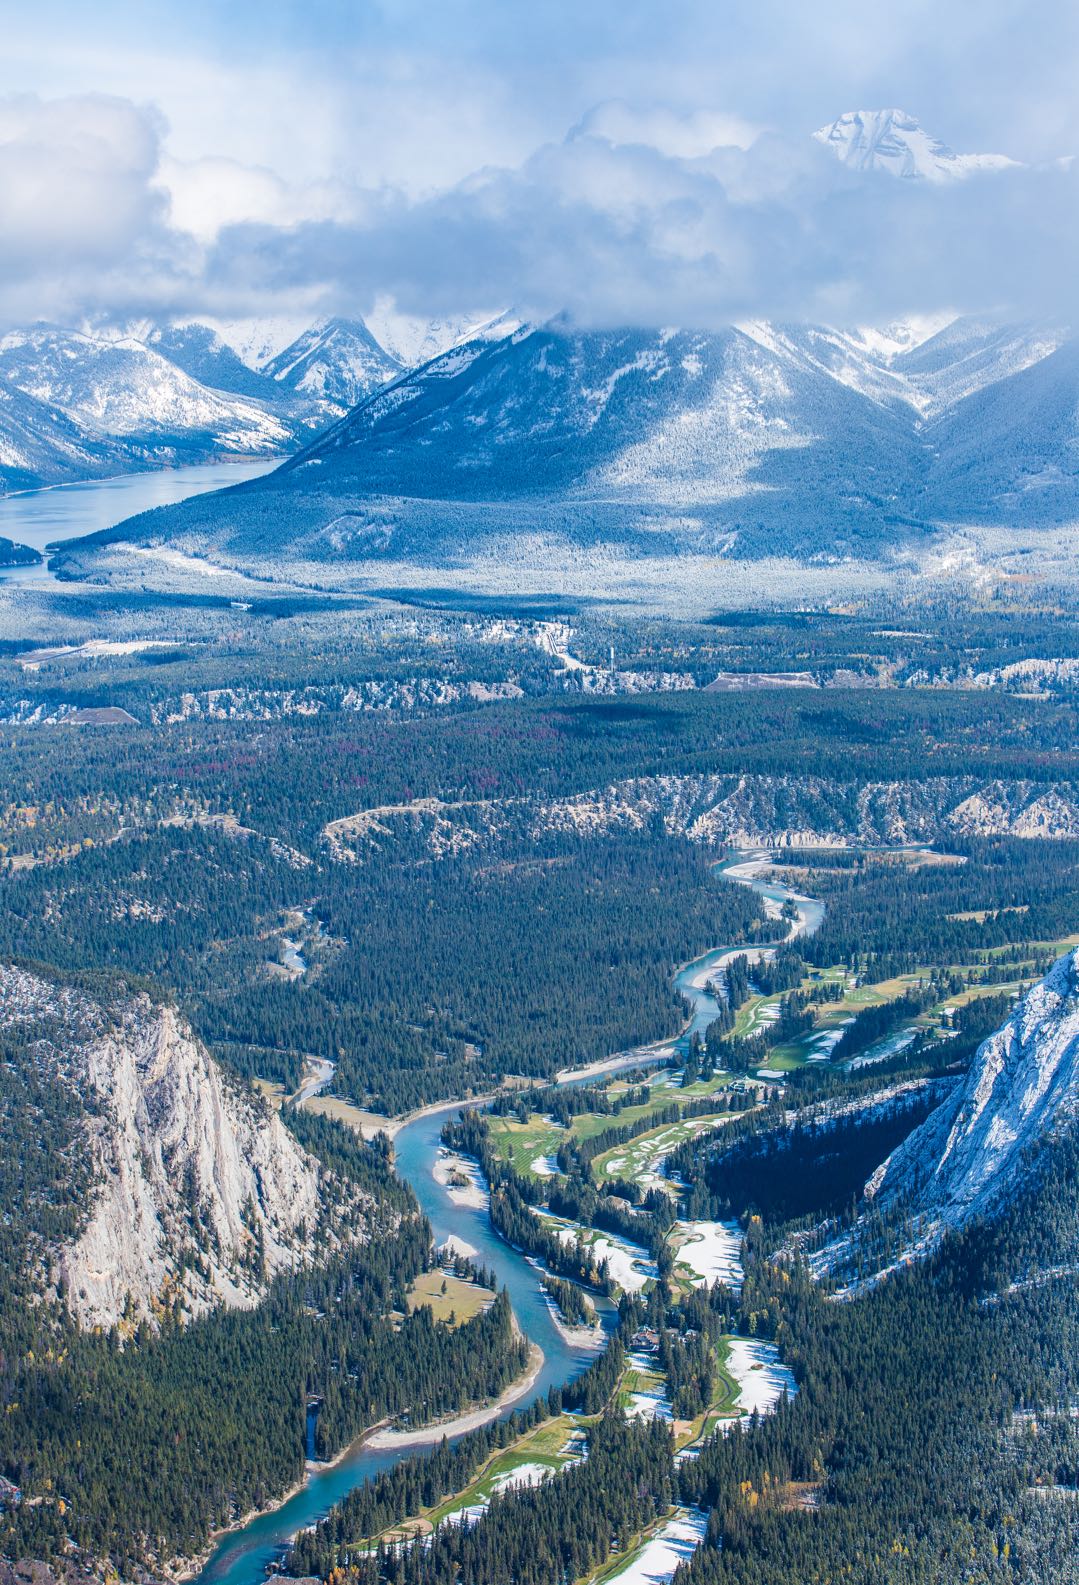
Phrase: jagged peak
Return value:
(894, 141)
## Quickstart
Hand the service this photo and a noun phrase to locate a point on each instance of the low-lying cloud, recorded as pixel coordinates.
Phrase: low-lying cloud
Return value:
(637, 216)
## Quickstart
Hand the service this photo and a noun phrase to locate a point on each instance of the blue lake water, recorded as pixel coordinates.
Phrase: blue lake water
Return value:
(45, 517)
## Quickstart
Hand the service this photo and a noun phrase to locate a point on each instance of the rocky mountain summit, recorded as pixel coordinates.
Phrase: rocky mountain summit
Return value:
(198, 1193)
(895, 142)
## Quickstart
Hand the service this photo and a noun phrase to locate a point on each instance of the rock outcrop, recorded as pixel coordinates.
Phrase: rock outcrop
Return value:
(200, 1194)
(1021, 1087)
(980, 1145)
(742, 811)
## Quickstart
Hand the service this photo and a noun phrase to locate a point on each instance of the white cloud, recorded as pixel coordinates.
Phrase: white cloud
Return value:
(651, 216)
(630, 234)
(75, 180)
(684, 135)
(206, 195)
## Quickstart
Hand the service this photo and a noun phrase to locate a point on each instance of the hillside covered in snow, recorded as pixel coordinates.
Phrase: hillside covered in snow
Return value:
(753, 441)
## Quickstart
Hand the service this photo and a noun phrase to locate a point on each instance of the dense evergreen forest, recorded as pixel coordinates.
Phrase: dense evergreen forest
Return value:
(185, 850)
(141, 1442)
(434, 980)
(287, 778)
(865, 1474)
(999, 896)
(868, 1474)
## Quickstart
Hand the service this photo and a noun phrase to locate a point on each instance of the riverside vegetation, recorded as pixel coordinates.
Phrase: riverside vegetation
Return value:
(493, 938)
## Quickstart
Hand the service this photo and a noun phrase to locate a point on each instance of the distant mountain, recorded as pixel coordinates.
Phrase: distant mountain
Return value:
(413, 340)
(894, 142)
(1009, 452)
(761, 439)
(337, 363)
(203, 354)
(39, 444)
(678, 418)
(77, 404)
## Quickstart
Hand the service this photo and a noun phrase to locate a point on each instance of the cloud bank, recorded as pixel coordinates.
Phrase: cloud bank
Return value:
(643, 214)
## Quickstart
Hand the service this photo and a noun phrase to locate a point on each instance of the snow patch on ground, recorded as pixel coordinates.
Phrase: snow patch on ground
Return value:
(673, 1545)
(760, 1373)
(712, 1251)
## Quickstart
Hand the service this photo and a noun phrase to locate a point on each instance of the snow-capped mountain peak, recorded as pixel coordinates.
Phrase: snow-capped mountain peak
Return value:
(896, 143)
(337, 361)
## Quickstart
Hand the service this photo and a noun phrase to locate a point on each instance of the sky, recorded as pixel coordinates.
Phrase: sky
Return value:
(614, 162)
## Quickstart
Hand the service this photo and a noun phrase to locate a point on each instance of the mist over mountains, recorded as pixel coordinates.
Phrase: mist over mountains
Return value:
(754, 439)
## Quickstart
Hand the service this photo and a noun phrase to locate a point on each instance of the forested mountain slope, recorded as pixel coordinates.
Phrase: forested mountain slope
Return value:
(750, 441)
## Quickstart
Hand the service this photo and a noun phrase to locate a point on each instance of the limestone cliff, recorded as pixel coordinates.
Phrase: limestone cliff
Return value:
(1022, 1085)
(199, 1196)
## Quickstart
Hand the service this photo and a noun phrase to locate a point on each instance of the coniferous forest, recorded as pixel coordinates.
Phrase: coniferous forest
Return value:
(459, 901)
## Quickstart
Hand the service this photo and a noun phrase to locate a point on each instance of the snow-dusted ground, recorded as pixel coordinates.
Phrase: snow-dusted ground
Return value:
(448, 1166)
(652, 1403)
(646, 1157)
(883, 1049)
(760, 1373)
(545, 1166)
(629, 1264)
(712, 1250)
(675, 1543)
(521, 1475)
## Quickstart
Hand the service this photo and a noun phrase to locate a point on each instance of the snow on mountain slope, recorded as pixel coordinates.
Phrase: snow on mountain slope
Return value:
(846, 357)
(124, 388)
(1022, 1085)
(40, 444)
(894, 142)
(202, 353)
(968, 355)
(337, 362)
(110, 405)
(1009, 453)
(200, 1194)
(664, 416)
(256, 341)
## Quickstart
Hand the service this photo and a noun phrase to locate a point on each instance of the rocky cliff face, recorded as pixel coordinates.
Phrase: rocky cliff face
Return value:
(980, 1145)
(1023, 1084)
(783, 812)
(200, 1194)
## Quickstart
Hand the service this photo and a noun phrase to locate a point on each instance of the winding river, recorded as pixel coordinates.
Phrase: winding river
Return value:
(242, 1556)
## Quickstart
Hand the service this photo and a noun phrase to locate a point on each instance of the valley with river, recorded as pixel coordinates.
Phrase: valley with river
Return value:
(243, 1556)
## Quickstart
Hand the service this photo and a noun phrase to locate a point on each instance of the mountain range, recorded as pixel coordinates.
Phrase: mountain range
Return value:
(442, 441)
(89, 402)
(754, 440)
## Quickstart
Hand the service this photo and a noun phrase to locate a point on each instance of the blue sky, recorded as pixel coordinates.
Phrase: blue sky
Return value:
(196, 157)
